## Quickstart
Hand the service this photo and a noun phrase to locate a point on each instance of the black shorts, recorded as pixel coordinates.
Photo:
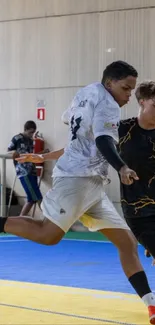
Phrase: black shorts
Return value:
(144, 231)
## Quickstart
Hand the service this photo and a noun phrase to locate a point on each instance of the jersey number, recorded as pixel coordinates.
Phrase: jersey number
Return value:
(75, 125)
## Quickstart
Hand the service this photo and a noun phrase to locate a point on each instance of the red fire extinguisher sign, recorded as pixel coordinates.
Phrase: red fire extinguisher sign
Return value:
(41, 113)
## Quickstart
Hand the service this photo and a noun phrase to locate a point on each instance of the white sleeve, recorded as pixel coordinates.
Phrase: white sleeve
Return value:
(106, 120)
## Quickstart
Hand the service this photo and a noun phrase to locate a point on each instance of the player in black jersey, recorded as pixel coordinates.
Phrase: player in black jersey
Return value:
(137, 149)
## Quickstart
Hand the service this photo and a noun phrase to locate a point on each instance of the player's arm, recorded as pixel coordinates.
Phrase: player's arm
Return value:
(36, 158)
(43, 151)
(106, 146)
(53, 155)
(12, 148)
(106, 134)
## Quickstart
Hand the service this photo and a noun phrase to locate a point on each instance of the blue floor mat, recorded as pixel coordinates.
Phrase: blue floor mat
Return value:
(83, 264)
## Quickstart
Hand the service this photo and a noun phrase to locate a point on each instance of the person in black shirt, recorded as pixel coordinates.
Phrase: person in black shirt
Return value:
(137, 149)
(23, 143)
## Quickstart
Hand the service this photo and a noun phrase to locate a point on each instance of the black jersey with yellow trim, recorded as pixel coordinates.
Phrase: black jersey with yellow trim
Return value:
(137, 148)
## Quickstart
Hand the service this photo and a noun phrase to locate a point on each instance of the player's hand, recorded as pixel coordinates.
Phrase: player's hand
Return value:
(15, 155)
(30, 157)
(128, 175)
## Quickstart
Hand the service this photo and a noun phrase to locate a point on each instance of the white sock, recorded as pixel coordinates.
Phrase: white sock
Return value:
(149, 299)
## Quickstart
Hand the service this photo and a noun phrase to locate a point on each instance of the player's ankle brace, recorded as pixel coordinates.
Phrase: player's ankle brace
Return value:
(2, 223)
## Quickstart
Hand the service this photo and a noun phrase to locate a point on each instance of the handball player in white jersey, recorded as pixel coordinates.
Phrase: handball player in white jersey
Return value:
(81, 174)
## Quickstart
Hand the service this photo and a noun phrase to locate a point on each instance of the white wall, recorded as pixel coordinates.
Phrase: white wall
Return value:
(50, 48)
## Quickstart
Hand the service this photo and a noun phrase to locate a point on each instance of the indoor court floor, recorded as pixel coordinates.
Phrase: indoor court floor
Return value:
(79, 281)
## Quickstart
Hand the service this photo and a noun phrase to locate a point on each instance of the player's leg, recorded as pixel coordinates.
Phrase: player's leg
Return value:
(26, 208)
(31, 188)
(28, 188)
(61, 206)
(36, 193)
(104, 218)
(43, 232)
(58, 207)
(126, 244)
(144, 230)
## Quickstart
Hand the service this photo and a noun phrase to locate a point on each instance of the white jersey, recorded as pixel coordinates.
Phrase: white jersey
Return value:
(92, 113)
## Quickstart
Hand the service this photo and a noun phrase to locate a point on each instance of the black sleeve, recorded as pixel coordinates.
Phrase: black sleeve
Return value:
(106, 146)
(13, 144)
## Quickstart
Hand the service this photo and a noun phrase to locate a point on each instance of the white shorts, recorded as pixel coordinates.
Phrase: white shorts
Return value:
(74, 198)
